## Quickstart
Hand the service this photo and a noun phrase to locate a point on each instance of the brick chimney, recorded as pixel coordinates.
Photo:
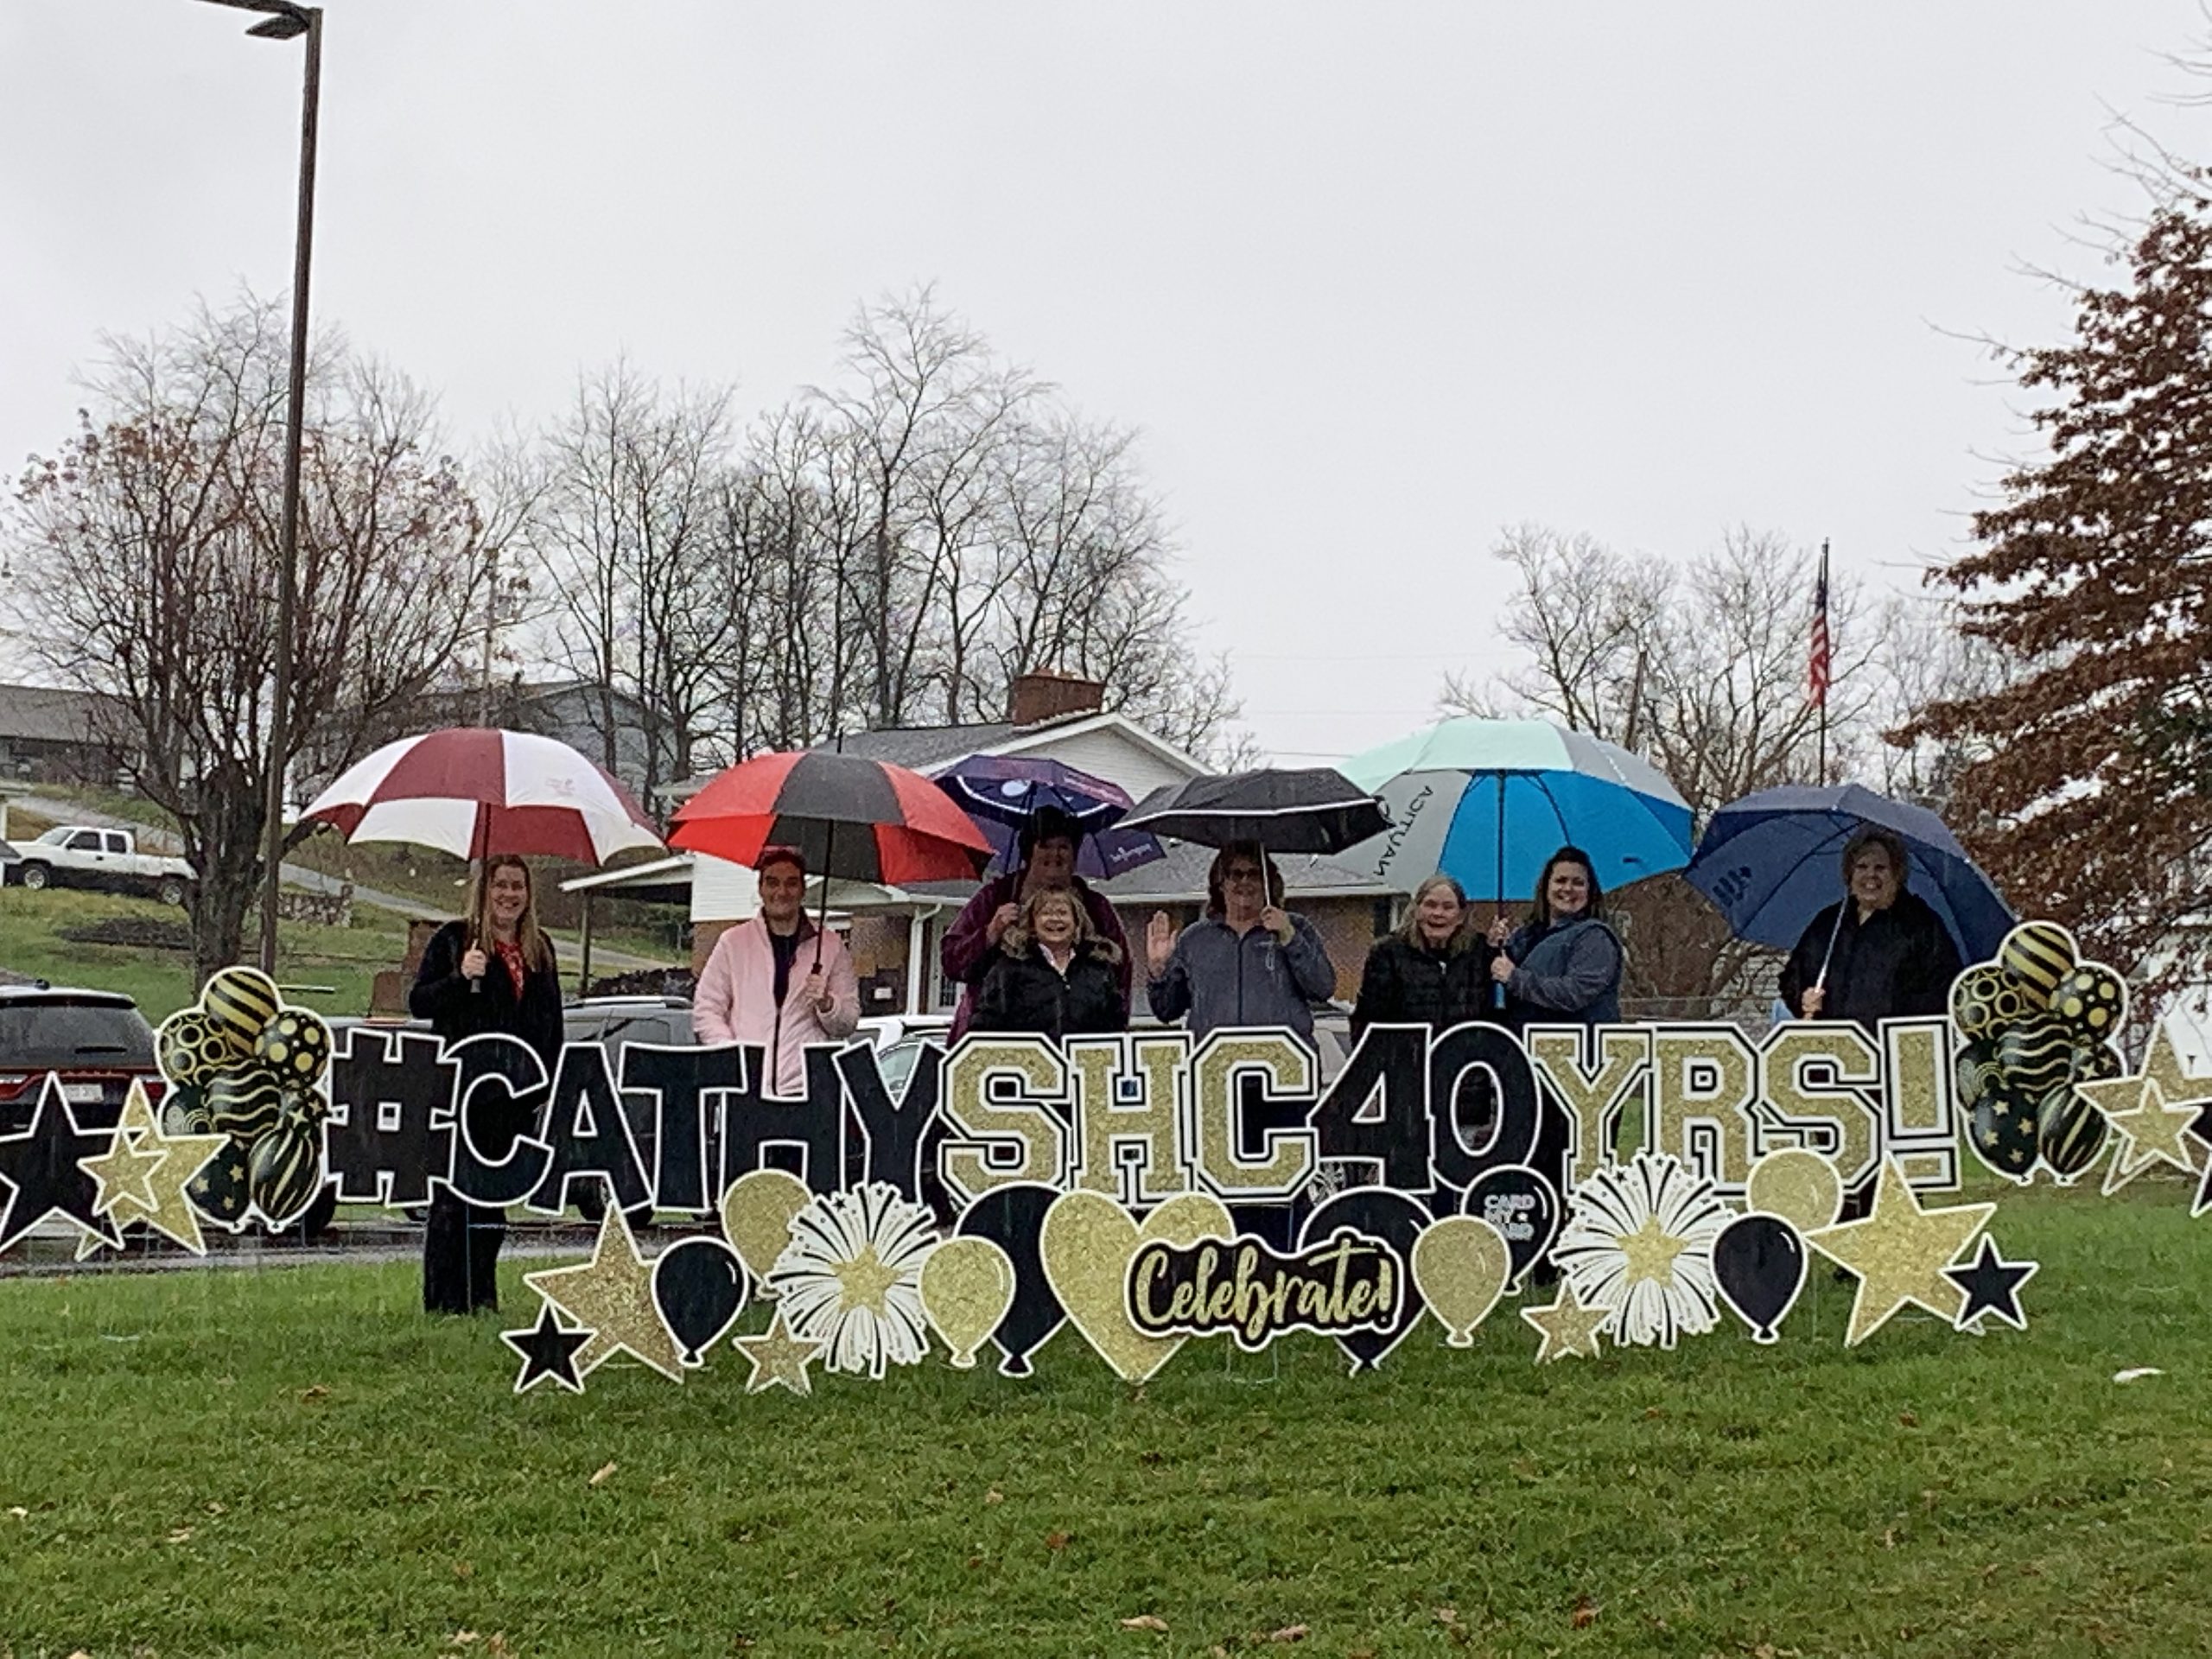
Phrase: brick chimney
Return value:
(1045, 694)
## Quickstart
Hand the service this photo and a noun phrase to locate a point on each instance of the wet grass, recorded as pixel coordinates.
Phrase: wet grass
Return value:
(297, 1461)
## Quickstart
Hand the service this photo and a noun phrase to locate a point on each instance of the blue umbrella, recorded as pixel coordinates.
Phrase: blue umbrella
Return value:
(1772, 861)
(1002, 793)
(1487, 801)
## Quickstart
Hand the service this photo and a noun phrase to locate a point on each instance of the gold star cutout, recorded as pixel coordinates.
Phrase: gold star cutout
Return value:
(1651, 1252)
(1569, 1329)
(612, 1295)
(1900, 1252)
(159, 1199)
(2162, 1065)
(778, 1358)
(125, 1172)
(862, 1281)
(2150, 1130)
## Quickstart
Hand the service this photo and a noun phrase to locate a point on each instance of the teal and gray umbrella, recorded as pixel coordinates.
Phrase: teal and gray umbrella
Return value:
(1487, 801)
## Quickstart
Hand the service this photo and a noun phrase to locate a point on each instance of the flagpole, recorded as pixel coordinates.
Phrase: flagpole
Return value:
(1824, 648)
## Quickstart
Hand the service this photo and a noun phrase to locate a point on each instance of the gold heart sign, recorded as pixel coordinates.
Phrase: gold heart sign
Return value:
(1087, 1240)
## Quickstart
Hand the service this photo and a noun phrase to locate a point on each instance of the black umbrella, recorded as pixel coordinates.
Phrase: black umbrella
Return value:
(1311, 810)
(1307, 809)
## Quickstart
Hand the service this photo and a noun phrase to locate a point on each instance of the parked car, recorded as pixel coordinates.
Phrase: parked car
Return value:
(78, 856)
(98, 1042)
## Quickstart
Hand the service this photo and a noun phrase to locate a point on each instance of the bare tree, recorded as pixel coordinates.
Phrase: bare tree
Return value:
(627, 534)
(150, 543)
(1701, 669)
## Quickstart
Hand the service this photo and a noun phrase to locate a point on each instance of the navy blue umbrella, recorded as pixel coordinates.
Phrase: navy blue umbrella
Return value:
(1002, 793)
(1772, 861)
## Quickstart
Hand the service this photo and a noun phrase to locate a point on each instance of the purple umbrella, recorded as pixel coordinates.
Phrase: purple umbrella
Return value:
(1002, 793)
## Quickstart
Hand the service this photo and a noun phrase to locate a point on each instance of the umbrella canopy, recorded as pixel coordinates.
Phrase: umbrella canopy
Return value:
(855, 818)
(473, 790)
(1310, 809)
(1772, 861)
(1002, 793)
(1487, 801)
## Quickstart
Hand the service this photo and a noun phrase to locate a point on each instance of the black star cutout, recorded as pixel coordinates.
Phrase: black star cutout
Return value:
(1992, 1286)
(547, 1351)
(2202, 1130)
(39, 1168)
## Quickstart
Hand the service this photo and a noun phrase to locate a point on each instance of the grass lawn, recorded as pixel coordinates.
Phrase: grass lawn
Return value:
(344, 959)
(296, 1462)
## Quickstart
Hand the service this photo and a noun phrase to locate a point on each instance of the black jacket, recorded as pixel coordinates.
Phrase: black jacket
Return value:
(1026, 993)
(1899, 960)
(443, 997)
(1409, 985)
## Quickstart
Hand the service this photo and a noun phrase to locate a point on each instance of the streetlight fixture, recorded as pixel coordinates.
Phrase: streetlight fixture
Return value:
(283, 20)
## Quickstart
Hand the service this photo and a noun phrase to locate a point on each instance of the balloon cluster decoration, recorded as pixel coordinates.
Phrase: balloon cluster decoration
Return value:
(244, 1063)
(2037, 1022)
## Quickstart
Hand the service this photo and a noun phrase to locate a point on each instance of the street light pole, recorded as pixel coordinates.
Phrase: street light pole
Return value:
(282, 22)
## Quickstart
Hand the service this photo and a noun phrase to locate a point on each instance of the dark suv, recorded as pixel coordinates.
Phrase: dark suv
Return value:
(98, 1040)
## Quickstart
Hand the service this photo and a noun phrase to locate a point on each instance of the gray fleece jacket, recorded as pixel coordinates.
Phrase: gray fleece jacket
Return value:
(1219, 977)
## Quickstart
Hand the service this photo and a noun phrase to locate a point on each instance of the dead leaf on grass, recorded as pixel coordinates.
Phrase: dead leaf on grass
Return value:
(1290, 1633)
(2135, 1372)
(1056, 1540)
(600, 1475)
(213, 1508)
(1908, 1420)
(994, 1496)
(1447, 1615)
(498, 1644)
(460, 1638)
(1584, 1615)
(1146, 1622)
(463, 1570)
(181, 1535)
(19, 1512)
(317, 1392)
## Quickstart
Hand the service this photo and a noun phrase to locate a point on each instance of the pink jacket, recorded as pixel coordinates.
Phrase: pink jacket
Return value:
(735, 1001)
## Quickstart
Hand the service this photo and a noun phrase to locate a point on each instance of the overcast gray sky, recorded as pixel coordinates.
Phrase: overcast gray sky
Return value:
(1373, 282)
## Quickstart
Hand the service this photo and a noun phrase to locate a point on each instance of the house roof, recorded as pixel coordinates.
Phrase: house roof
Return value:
(928, 749)
(52, 714)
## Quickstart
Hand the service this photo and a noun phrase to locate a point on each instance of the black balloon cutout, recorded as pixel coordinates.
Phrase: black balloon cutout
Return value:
(1759, 1262)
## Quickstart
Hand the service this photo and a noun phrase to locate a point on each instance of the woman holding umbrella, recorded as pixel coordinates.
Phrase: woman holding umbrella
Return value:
(1563, 965)
(492, 972)
(972, 944)
(1247, 962)
(1878, 952)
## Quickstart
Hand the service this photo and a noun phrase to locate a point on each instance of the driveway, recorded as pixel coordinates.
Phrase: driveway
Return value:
(308, 880)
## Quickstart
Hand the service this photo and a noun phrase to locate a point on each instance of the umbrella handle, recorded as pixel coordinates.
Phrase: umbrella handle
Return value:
(1821, 983)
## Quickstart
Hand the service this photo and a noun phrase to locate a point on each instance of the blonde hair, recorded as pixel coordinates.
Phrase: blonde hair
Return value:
(1017, 939)
(537, 949)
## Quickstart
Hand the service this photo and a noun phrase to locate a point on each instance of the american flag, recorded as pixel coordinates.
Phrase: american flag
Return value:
(1818, 666)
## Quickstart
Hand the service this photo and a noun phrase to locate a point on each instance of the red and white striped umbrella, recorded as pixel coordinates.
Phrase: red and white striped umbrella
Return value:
(471, 791)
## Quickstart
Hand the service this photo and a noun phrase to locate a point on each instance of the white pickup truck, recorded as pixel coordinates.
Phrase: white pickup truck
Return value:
(76, 855)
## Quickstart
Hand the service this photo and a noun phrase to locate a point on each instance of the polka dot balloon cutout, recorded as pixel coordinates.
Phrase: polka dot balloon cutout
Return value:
(2091, 1001)
(295, 1044)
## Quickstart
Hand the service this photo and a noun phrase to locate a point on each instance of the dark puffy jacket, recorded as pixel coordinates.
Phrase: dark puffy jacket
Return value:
(1568, 974)
(1026, 993)
(1411, 985)
(455, 1009)
(1899, 960)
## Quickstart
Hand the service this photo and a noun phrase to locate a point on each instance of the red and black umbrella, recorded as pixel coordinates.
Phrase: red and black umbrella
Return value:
(852, 819)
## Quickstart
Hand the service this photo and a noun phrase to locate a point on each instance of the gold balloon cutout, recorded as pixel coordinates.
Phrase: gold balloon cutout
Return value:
(967, 1286)
(757, 1213)
(1087, 1242)
(1798, 1185)
(1461, 1264)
